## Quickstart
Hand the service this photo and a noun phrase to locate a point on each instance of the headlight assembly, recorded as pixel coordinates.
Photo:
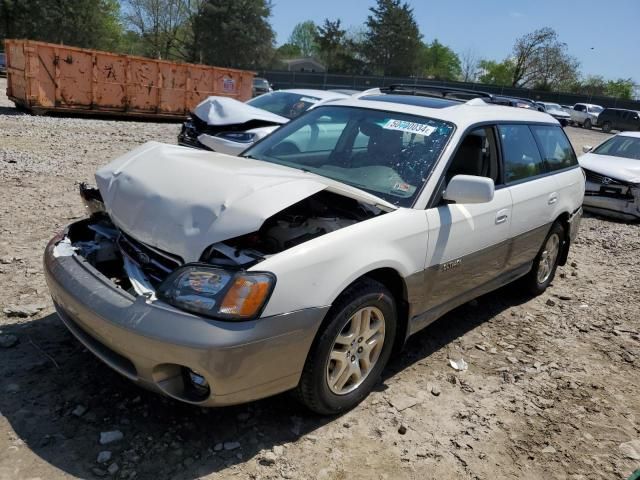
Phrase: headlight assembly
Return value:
(240, 137)
(217, 293)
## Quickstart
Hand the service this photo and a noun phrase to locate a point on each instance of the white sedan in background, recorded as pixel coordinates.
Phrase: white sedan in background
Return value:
(229, 126)
(613, 176)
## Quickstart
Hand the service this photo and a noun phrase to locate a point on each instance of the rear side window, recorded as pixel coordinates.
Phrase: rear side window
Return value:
(520, 153)
(579, 108)
(555, 148)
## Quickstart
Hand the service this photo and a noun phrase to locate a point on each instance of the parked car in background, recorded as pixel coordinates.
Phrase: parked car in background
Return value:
(516, 102)
(261, 86)
(612, 172)
(619, 119)
(226, 125)
(556, 111)
(218, 280)
(3, 64)
(585, 114)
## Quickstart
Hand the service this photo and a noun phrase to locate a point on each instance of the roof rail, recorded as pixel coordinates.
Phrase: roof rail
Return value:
(435, 91)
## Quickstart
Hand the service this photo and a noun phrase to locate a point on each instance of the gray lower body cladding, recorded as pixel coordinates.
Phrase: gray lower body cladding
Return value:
(153, 343)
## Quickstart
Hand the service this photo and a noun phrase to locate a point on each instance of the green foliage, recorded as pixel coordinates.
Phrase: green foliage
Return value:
(303, 36)
(234, 34)
(620, 88)
(496, 73)
(339, 50)
(393, 40)
(439, 61)
(82, 23)
(287, 51)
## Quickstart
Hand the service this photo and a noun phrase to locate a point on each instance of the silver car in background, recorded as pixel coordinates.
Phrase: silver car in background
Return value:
(556, 111)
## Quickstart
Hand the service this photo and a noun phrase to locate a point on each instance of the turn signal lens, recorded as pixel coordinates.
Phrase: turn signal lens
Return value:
(246, 295)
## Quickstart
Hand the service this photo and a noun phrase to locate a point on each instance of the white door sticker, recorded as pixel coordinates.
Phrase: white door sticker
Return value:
(411, 127)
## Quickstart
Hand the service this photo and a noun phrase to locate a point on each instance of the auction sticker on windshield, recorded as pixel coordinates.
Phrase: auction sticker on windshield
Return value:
(410, 127)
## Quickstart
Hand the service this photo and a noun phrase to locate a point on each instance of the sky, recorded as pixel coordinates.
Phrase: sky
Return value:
(603, 35)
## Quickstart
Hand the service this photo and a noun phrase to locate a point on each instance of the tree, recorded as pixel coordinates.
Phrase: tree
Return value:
(496, 73)
(592, 85)
(81, 23)
(620, 88)
(163, 26)
(234, 33)
(439, 61)
(330, 41)
(541, 60)
(393, 40)
(288, 50)
(469, 66)
(303, 36)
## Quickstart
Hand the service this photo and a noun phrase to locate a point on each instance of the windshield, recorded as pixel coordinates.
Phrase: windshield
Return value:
(553, 106)
(620, 146)
(285, 104)
(384, 153)
(260, 82)
(595, 109)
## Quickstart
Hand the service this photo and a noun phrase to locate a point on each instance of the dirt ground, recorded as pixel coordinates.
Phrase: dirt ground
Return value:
(551, 391)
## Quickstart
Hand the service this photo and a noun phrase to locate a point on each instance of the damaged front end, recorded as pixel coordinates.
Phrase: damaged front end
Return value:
(206, 286)
(611, 197)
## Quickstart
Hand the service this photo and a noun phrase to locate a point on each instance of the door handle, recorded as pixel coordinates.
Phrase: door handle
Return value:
(553, 198)
(502, 216)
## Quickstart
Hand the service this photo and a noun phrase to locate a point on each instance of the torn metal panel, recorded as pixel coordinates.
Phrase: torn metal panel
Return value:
(228, 111)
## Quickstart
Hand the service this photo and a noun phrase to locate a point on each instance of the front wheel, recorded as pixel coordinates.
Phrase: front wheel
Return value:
(587, 124)
(546, 262)
(349, 354)
(606, 127)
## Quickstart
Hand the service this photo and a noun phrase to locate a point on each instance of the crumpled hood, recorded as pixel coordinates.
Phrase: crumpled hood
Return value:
(625, 169)
(182, 200)
(228, 111)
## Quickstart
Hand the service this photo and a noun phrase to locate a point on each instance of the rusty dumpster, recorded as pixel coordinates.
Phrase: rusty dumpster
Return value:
(46, 77)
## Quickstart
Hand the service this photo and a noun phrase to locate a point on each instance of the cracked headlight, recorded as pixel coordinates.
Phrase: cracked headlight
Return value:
(217, 293)
(240, 137)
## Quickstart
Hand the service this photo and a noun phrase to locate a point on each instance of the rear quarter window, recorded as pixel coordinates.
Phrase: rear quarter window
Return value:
(555, 148)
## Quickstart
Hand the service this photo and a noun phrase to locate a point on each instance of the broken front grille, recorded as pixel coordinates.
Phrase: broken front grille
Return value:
(602, 179)
(155, 264)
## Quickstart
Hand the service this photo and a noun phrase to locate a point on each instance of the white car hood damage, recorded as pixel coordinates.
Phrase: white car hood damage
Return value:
(619, 168)
(228, 111)
(182, 200)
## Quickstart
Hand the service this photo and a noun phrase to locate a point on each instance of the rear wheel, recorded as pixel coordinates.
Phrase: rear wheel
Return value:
(349, 354)
(587, 124)
(606, 127)
(546, 262)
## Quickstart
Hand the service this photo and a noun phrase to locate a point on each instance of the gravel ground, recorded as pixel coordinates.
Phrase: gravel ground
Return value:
(550, 393)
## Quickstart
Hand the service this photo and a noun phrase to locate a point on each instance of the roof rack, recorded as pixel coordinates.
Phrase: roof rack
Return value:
(438, 91)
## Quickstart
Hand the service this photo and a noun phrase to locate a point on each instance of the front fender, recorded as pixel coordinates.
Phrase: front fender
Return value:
(316, 272)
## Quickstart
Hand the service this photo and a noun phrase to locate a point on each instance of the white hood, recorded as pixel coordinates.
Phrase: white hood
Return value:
(619, 168)
(181, 200)
(228, 111)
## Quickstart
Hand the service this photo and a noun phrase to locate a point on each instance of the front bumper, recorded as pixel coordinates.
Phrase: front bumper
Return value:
(616, 201)
(152, 343)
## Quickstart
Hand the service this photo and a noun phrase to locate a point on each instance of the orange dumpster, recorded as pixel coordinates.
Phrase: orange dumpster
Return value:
(47, 77)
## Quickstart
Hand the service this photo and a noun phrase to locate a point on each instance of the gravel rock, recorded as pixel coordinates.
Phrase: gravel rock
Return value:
(218, 447)
(79, 410)
(110, 437)
(23, 311)
(231, 445)
(549, 449)
(104, 456)
(551, 302)
(268, 459)
(435, 391)
(402, 430)
(631, 449)
(8, 340)
(113, 468)
(278, 450)
(12, 388)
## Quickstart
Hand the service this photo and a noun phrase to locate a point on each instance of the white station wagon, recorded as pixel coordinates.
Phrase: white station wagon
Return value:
(305, 262)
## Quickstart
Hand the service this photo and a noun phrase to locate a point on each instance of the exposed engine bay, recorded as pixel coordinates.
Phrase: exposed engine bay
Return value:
(140, 268)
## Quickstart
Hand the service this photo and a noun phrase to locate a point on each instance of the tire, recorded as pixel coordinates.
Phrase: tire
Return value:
(587, 124)
(606, 127)
(322, 388)
(543, 271)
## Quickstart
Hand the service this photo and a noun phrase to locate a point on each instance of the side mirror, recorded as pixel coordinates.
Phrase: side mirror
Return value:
(469, 189)
(587, 148)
